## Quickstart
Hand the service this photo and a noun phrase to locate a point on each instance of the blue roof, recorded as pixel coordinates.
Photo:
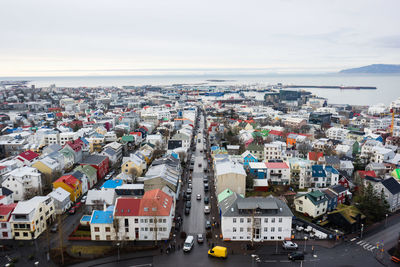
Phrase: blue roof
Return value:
(84, 141)
(214, 148)
(86, 218)
(331, 169)
(112, 183)
(100, 216)
(318, 171)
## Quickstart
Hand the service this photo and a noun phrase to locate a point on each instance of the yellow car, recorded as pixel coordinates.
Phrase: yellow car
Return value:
(219, 252)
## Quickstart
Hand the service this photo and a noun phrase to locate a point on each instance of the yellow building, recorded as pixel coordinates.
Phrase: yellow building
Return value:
(71, 185)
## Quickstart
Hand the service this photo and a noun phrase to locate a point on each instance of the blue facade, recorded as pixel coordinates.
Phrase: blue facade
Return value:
(247, 159)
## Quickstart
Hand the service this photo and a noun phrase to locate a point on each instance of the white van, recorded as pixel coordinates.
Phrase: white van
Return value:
(189, 242)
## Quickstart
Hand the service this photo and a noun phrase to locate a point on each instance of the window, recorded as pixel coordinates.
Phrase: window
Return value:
(280, 220)
(97, 229)
(300, 208)
(248, 229)
(234, 237)
(279, 229)
(234, 229)
(272, 237)
(241, 220)
(16, 233)
(164, 220)
(108, 237)
(272, 229)
(151, 229)
(108, 229)
(141, 220)
(265, 229)
(249, 220)
(279, 237)
(136, 220)
(273, 220)
(126, 230)
(3, 225)
(234, 220)
(265, 220)
(241, 229)
(150, 220)
(126, 222)
(25, 234)
(241, 237)
(97, 237)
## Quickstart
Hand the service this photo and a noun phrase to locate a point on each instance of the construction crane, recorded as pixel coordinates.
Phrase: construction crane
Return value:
(392, 113)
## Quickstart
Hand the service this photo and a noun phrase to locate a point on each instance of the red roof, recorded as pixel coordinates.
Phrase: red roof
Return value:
(127, 206)
(76, 145)
(276, 165)
(7, 209)
(136, 133)
(2, 167)
(29, 155)
(314, 156)
(155, 203)
(69, 180)
(275, 132)
(366, 173)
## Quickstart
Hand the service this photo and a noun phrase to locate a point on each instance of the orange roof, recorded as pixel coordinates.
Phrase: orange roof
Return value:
(155, 203)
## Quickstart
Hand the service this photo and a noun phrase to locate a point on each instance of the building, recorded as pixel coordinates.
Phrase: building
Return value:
(25, 182)
(313, 204)
(278, 172)
(70, 184)
(5, 216)
(126, 217)
(30, 218)
(100, 163)
(256, 219)
(230, 174)
(61, 198)
(272, 151)
(391, 189)
(27, 158)
(336, 133)
(101, 225)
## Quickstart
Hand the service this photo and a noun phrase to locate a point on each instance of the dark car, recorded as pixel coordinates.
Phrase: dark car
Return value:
(188, 204)
(187, 211)
(296, 256)
(206, 200)
(206, 187)
(205, 180)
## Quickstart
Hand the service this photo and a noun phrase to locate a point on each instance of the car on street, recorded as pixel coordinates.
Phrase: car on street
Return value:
(296, 256)
(206, 187)
(206, 200)
(78, 205)
(188, 204)
(54, 228)
(198, 197)
(190, 185)
(200, 238)
(72, 211)
(289, 245)
(208, 225)
(83, 200)
(189, 242)
(219, 252)
(189, 191)
(187, 211)
(206, 209)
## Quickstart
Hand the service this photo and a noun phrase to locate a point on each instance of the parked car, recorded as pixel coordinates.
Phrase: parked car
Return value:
(206, 187)
(78, 205)
(189, 191)
(205, 180)
(190, 185)
(188, 245)
(187, 211)
(296, 256)
(208, 225)
(299, 228)
(198, 197)
(200, 238)
(206, 209)
(54, 228)
(206, 200)
(309, 229)
(289, 245)
(188, 204)
(72, 211)
(219, 252)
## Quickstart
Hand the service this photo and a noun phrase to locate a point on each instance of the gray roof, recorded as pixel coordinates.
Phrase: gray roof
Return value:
(94, 159)
(332, 160)
(109, 151)
(272, 206)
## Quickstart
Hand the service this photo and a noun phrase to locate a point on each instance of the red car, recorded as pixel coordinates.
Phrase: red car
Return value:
(78, 205)
(72, 210)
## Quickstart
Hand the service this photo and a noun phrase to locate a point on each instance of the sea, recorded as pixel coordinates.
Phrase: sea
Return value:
(388, 85)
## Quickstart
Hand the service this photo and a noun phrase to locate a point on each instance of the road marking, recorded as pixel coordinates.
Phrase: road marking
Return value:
(284, 261)
(367, 246)
(270, 261)
(359, 242)
(353, 239)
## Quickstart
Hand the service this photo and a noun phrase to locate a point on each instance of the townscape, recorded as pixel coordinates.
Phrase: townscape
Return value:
(162, 175)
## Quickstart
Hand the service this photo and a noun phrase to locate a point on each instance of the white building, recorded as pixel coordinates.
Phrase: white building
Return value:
(32, 217)
(336, 133)
(273, 151)
(313, 204)
(257, 219)
(23, 180)
(61, 198)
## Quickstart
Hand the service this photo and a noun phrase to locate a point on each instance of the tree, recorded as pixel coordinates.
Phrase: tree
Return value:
(250, 181)
(119, 132)
(372, 203)
(304, 148)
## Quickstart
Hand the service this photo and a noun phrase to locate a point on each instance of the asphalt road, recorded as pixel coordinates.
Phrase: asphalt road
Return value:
(194, 223)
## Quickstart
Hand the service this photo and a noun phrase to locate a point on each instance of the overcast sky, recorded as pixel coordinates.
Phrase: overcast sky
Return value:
(94, 37)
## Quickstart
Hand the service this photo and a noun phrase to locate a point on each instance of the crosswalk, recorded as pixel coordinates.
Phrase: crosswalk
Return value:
(365, 245)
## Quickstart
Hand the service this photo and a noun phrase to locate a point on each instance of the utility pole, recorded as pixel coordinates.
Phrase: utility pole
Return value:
(61, 239)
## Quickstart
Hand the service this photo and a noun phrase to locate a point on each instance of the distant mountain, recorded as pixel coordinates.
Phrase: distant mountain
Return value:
(374, 68)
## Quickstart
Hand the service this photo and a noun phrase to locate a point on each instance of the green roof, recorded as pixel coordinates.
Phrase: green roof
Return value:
(348, 212)
(224, 194)
(128, 138)
(255, 134)
(265, 132)
(316, 194)
(88, 170)
(396, 173)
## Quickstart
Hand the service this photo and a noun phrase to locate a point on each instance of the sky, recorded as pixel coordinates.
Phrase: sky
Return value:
(125, 37)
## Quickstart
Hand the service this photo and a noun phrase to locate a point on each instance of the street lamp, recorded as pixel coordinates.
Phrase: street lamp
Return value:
(118, 251)
(336, 235)
(305, 243)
